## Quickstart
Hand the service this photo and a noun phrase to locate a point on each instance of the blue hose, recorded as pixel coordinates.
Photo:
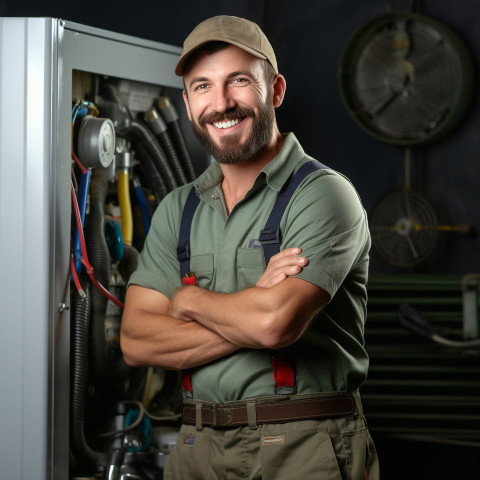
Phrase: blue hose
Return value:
(143, 203)
(82, 205)
(79, 110)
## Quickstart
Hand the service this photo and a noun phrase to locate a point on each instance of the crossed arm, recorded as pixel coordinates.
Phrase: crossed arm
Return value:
(197, 326)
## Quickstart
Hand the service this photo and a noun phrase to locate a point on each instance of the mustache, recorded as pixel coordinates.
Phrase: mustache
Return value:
(233, 113)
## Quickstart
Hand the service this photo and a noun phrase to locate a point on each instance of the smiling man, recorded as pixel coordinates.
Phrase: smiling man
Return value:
(271, 243)
(228, 122)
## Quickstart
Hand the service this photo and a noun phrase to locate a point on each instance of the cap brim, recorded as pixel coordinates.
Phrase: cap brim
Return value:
(183, 58)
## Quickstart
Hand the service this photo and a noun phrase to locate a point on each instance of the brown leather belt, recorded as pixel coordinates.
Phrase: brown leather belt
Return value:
(224, 415)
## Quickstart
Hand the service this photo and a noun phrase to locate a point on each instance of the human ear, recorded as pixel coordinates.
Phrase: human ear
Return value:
(279, 87)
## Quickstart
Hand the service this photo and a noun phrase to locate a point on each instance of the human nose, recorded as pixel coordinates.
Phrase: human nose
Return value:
(223, 100)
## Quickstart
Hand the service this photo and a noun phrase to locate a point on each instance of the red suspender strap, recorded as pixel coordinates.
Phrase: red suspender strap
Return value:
(187, 382)
(284, 375)
(186, 374)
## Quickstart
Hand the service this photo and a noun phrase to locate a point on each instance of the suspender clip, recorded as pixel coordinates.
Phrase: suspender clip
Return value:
(268, 236)
(183, 252)
(189, 278)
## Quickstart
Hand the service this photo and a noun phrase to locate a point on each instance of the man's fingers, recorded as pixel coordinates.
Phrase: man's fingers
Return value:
(283, 264)
(289, 257)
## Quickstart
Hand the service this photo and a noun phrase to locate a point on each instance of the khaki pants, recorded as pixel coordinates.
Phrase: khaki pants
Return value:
(333, 449)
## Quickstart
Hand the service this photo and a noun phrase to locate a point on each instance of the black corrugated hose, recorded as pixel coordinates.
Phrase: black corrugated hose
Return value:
(79, 363)
(139, 132)
(166, 142)
(159, 128)
(170, 115)
(150, 171)
(179, 140)
(107, 365)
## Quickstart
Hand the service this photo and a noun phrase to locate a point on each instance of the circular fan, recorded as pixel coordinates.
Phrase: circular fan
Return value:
(404, 228)
(405, 78)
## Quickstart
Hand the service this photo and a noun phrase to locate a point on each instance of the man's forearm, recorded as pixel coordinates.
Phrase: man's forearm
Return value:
(254, 317)
(151, 338)
(271, 315)
(221, 313)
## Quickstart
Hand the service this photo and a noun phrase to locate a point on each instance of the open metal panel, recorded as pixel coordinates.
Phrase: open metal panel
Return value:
(37, 58)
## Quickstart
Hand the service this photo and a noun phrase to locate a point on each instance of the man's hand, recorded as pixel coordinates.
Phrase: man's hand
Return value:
(180, 301)
(282, 265)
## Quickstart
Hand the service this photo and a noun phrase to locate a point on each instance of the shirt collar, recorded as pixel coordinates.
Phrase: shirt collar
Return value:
(281, 167)
(276, 172)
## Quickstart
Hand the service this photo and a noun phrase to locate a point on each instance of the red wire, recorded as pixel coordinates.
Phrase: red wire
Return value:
(79, 163)
(84, 259)
(75, 278)
(74, 181)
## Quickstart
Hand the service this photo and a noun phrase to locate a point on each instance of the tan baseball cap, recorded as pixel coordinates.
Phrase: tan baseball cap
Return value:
(237, 31)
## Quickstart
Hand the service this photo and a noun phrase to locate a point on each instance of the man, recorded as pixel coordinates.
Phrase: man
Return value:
(255, 408)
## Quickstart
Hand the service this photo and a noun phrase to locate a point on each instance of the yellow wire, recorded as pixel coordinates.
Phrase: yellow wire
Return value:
(125, 207)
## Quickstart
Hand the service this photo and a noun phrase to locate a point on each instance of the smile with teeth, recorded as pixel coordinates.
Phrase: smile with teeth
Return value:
(226, 124)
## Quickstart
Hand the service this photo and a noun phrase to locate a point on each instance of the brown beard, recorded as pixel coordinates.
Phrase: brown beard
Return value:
(229, 151)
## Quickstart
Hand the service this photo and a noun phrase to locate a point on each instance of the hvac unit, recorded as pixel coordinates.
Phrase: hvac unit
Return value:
(92, 127)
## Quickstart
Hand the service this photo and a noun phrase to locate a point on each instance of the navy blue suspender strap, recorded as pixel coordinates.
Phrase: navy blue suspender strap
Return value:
(183, 248)
(270, 237)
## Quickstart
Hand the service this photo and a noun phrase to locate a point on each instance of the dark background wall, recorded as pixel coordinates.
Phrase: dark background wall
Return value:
(309, 37)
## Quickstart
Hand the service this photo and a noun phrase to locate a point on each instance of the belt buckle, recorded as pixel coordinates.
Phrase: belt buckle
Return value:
(222, 416)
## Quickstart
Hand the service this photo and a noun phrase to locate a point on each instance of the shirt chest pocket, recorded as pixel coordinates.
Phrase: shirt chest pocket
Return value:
(202, 265)
(250, 266)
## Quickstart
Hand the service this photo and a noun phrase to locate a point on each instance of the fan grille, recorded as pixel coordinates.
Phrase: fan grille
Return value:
(404, 228)
(406, 98)
(406, 78)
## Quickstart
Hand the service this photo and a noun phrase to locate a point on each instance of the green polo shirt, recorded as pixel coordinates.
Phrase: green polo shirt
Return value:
(325, 218)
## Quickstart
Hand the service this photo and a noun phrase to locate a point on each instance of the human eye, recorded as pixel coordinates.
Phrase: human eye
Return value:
(200, 87)
(240, 81)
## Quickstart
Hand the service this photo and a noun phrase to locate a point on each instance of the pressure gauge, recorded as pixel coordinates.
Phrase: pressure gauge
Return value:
(96, 142)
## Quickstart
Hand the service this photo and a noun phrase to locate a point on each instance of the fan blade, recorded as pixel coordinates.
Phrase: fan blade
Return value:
(412, 246)
(387, 102)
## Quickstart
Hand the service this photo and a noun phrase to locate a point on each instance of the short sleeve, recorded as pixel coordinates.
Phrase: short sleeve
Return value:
(326, 219)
